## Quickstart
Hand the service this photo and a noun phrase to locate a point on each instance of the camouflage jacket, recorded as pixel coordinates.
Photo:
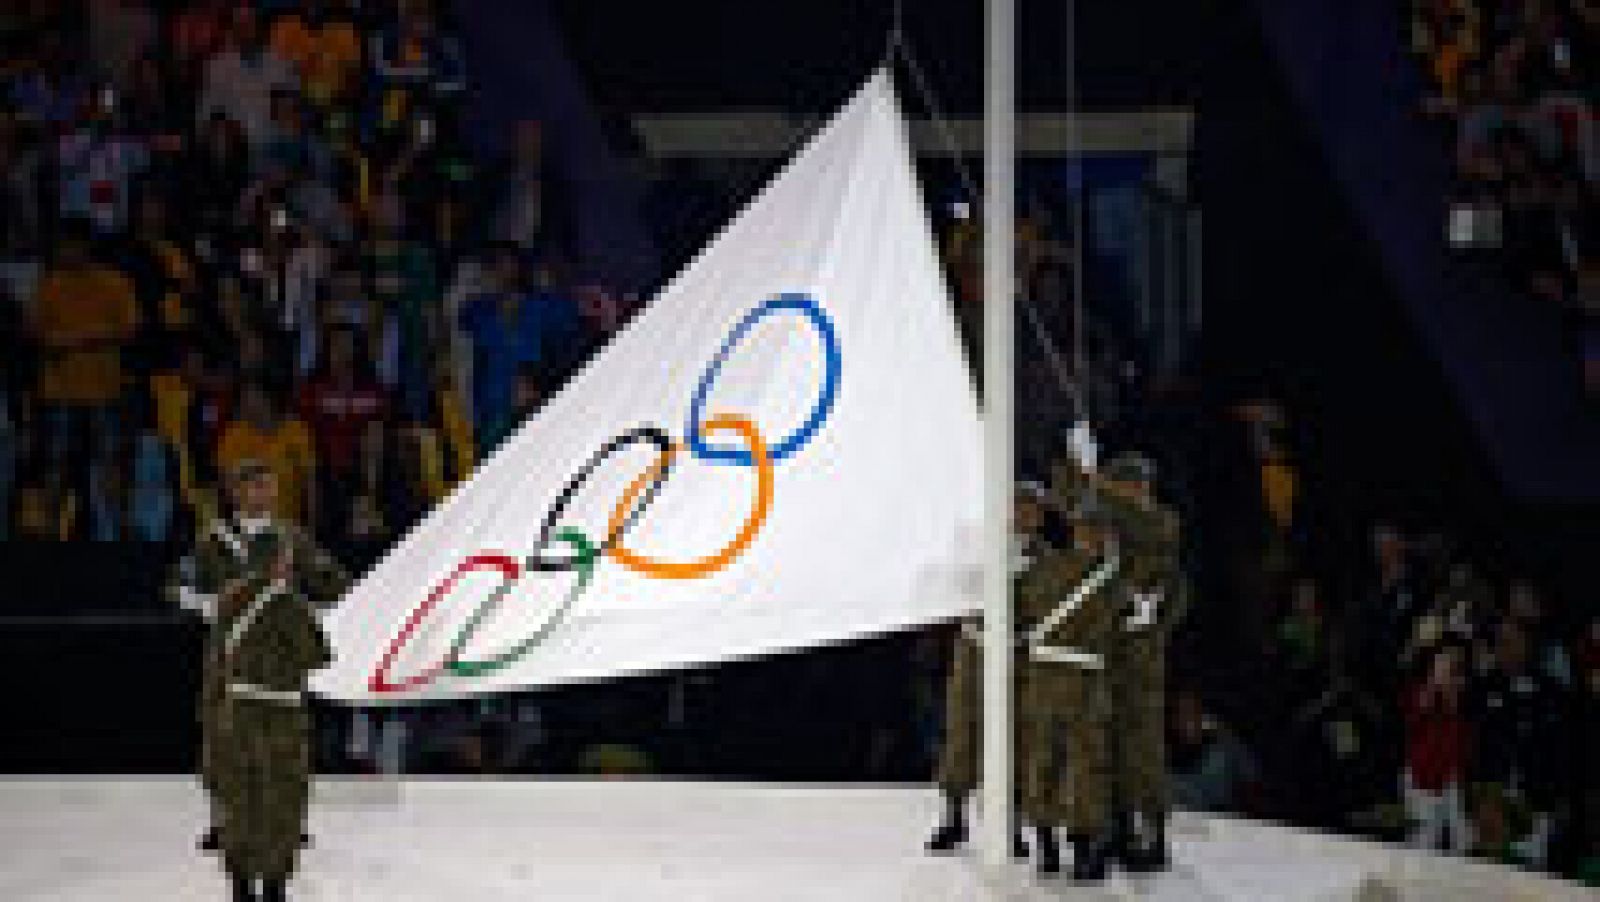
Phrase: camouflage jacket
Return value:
(264, 634)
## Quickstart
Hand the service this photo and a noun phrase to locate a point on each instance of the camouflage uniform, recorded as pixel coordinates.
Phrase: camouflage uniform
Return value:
(959, 757)
(1069, 704)
(1062, 709)
(255, 741)
(1148, 537)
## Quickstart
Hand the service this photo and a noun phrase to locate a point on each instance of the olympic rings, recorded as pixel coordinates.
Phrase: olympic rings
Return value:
(819, 413)
(640, 493)
(747, 533)
(652, 434)
(380, 681)
(584, 558)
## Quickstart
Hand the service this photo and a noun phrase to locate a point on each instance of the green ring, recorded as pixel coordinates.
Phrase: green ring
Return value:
(583, 562)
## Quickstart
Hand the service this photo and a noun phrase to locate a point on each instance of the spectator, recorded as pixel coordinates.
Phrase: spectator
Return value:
(324, 45)
(508, 331)
(197, 34)
(47, 508)
(1393, 603)
(152, 479)
(165, 282)
(172, 394)
(453, 417)
(1517, 711)
(218, 164)
(238, 314)
(52, 93)
(261, 431)
(405, 284)
(289, 276)
(1525, 605)
(1437, 744)
(149, 106)
(368, 525)
(1210, 768)
(526, 397)
(349, 304)
(210, 387)
(240, 80)
(86, 318)
(410, 484)
(1465, 603)
(289, 145)
(1337, 747)
(109, 512)
(414, 60)
(21, 216)
(120, 32)
(339, 402)
(95, 167)
(1300, 634)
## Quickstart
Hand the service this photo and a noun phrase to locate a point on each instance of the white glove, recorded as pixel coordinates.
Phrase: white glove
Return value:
(1144, 610)
(198, 602)
(1020, 559)
(1082, 447)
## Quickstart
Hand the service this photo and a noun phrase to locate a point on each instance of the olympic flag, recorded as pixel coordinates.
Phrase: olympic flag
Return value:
(781, 451)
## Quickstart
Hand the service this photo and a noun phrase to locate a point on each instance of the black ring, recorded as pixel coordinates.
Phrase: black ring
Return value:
(652, 434)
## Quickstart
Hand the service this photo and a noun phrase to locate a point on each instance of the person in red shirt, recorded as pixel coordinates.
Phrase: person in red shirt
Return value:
(1437, 744)
(338, 402)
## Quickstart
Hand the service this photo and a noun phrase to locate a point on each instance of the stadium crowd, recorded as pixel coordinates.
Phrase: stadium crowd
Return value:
(1419, 688)
(1514, 84)
(241, 230)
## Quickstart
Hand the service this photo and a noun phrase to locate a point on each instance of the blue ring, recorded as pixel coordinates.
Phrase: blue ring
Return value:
(819, 414)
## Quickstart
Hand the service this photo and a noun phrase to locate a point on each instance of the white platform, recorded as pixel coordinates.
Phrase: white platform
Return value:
(483, 841)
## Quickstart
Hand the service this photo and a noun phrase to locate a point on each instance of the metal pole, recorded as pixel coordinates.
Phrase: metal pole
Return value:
(999, 256)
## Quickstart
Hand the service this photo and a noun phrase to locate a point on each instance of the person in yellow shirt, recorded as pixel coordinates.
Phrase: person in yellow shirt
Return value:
(324, 45)
(454, 422)
(260, 431)
(85, 316)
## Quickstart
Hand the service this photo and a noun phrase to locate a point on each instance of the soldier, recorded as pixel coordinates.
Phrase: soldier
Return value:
(1062, 705)
(957, 774)
(1153, 597)
(1072, 620)
(264, 641)
(204, 605)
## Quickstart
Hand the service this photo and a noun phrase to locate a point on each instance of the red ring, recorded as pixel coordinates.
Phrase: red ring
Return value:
(509, 569)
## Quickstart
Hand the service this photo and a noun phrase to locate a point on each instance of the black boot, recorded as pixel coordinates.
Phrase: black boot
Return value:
(208, 840)
(1019, 846)
(242, 891)
(1049, 852)
(1120, 840)
(1089, 859)
(274, 889)
(1147, 853)
(952, 833)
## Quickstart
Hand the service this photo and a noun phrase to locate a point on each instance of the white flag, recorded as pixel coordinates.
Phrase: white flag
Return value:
(823, 481)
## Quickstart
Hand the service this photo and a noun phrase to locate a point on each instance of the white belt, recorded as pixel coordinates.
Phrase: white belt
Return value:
(1057, 655)
(263, 694)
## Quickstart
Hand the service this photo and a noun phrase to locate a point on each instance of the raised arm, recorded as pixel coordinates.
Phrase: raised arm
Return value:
(323, 579)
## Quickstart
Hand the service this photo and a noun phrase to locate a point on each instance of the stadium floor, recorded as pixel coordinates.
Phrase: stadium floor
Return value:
(484, 840)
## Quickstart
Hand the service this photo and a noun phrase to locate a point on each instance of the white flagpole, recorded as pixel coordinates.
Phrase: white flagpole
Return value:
(998, 286)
